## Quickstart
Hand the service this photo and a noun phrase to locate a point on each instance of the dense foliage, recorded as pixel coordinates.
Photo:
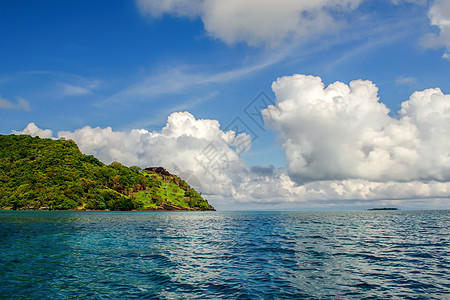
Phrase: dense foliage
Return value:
(53, 174)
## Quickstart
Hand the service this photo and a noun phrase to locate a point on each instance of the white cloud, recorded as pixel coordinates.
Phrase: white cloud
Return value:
(33, 130)
(199, 149)
(343, 132)
(185, 143)
(279, 191)
(21, 104)
(439, 15)
(281, 188)
(255, 22)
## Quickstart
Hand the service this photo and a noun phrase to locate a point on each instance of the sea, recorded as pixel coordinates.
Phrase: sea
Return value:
(225, 255)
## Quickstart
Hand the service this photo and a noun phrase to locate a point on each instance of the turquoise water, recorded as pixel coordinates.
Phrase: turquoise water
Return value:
(225, 255)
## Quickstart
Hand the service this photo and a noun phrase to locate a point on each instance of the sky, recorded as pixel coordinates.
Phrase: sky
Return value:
(258, 104)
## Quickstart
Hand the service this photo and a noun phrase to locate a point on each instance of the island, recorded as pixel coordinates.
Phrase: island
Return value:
(50, 174)
(383, 208)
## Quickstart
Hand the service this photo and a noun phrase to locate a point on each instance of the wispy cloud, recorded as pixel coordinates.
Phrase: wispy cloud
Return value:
(180, 79)
(405, 80)
(371, 35)
(50, 84)
(184, 78)
(21, 104)
(362, 29)
(80, 89)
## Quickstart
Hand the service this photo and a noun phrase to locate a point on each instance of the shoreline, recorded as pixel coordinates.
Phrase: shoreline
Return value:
(163, 207)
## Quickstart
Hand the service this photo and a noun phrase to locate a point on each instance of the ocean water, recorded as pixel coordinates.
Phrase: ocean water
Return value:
(225, 255)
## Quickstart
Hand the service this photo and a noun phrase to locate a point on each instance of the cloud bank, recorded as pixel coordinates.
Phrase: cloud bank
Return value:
(342, 147)
(255, 22)
(343, 132)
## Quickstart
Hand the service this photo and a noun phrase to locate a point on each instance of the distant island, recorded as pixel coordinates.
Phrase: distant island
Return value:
(383, 208)
(46, 174)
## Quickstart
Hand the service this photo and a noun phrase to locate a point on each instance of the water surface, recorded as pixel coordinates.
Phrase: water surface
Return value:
(225, 255)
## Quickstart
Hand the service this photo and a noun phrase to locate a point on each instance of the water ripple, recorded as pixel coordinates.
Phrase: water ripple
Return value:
(223, 255)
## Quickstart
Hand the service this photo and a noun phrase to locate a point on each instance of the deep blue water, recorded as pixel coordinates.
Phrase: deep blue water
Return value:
(225, 255)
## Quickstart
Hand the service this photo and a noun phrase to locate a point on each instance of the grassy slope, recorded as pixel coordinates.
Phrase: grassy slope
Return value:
(170, 192)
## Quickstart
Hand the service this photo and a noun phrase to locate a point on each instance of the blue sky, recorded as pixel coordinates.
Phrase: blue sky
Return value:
(131, 64)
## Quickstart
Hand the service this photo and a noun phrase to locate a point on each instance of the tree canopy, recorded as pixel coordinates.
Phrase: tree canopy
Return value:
(51, 174)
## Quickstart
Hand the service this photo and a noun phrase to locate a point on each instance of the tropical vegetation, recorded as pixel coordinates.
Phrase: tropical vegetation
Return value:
(53, 174)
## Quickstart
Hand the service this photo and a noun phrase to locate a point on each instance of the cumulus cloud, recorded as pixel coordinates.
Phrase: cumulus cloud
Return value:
(439, 15)
(33, 130)
(198, 150)
(255, 22)
(343, 132)
(204, 155)
(185, 145)
(21, 104)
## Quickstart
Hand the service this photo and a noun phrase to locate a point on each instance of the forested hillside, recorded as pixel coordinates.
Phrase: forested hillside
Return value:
(50, 174)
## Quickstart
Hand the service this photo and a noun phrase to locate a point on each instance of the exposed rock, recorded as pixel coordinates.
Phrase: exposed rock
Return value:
(158, 170)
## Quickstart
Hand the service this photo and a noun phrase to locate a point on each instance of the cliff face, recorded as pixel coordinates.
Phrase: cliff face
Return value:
(53, 174)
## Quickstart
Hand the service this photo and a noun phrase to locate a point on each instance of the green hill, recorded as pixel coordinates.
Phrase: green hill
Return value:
(50, 174)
